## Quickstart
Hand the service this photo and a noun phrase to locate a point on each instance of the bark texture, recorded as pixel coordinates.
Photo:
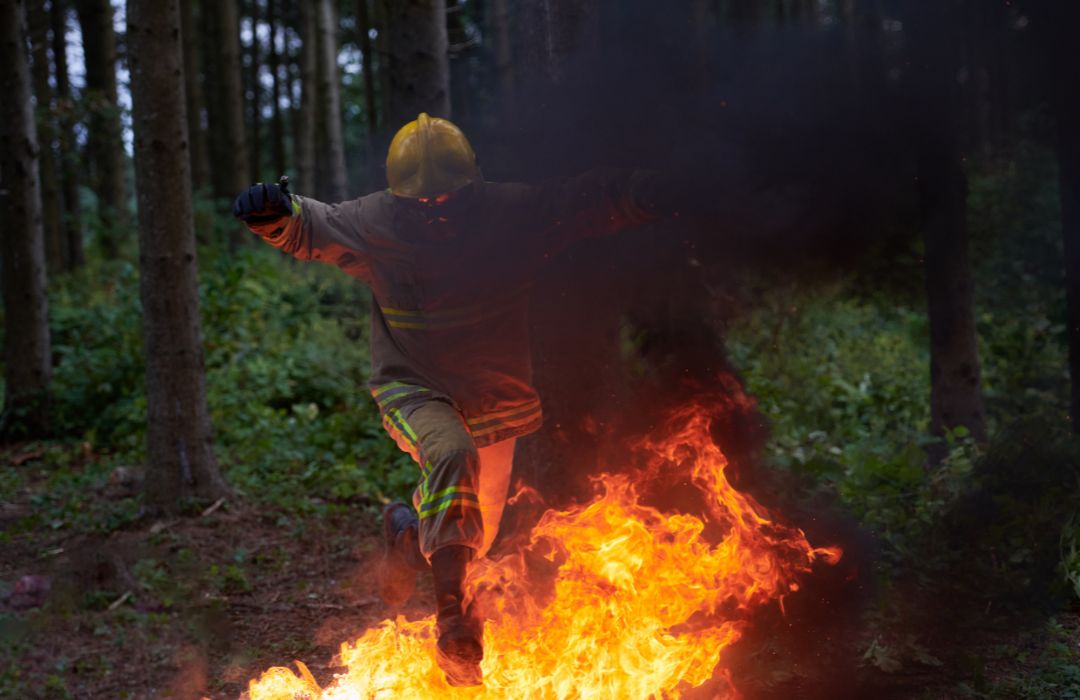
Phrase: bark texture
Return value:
(180, 456)
(254, 90)
(104, 134)
(210, 39)
(934, 101)
(27, 354)
(200, 164)
(504, 57)
(418, 65)
(363, 27)
(230, 156)
(277, 127)
(333, 156)
(38, 20)
(69, 161)
(1067, 107)
(955, 385)
(305, 122)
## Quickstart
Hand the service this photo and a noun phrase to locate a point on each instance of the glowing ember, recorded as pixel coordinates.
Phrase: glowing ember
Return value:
(613, 599)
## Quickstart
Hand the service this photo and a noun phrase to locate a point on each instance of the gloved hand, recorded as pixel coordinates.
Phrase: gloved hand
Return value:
(262, 203)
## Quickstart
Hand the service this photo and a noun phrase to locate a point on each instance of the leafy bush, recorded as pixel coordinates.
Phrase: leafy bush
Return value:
(286, 360)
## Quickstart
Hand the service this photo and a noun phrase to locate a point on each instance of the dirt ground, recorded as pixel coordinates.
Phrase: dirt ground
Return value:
(104, 633)
(196, 606)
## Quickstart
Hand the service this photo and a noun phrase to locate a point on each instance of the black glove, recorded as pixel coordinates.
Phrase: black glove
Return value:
(262, 203)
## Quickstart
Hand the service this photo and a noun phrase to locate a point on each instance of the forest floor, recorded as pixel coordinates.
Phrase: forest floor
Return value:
(196, 606)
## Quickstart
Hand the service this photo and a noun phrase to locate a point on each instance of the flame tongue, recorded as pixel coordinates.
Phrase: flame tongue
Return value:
(638, 603)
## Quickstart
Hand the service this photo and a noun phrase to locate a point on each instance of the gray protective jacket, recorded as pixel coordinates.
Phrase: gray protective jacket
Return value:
(450, 317)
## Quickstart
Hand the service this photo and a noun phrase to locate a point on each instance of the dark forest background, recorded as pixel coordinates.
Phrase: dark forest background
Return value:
(878, 239)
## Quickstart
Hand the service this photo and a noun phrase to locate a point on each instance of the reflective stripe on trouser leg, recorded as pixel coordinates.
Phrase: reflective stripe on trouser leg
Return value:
(496, 463)
(447, 498)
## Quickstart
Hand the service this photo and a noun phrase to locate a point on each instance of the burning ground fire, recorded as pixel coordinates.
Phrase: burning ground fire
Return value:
(612, 599)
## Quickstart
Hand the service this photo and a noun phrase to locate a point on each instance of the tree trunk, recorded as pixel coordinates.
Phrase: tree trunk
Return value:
(363, 27)
(934, 101)
(221, 182)
(69, 161)
(38, 21)
(104, 132)
(459, 49)
(255, 97)
(277, 128)
(27, 355)
(330, 108)
(532, 42)
(180, 455)
(200, 165)
(419, 68)
(504, 57)
(232, 158)
(382, 50)
(955, 388)
(305, 139)
(1067, 107)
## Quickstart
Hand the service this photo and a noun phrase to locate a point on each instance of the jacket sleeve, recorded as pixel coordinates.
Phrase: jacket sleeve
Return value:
(596, 203)
(330, 233)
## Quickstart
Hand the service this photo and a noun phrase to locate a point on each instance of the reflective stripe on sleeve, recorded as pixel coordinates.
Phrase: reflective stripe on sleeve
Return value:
(450, 496)
(387, 394)
(403, 434)
(441, 319)
(509, 418)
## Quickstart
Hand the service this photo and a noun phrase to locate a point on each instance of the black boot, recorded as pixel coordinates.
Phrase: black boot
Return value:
(401, 559)
(461, 644)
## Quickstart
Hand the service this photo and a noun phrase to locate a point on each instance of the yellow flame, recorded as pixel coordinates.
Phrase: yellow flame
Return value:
(612, 599)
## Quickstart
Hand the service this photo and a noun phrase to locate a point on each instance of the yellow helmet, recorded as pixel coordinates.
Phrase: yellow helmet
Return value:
(429, 157)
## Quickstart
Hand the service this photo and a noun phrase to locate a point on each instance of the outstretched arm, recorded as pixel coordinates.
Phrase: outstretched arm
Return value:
(596, 203)
(305, 228)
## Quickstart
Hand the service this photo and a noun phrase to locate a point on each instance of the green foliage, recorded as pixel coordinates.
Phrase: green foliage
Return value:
(286, 359)
(1050, 670)
(62, 486)
(843, 382)
(1014, 217)
(842, 371)
(97, 345)
(286, 369)
(1070, 554)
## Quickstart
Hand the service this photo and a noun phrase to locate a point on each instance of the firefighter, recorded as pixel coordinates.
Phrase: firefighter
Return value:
(449, 259)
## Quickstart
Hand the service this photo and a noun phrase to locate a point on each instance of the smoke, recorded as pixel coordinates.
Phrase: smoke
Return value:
(794, 141)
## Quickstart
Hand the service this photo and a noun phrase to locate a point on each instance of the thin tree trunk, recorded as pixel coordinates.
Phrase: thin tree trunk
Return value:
(955, 387)
(277, 129)
(305, 140)
(459, 47)
(255, 98)
(504, 57)
(179, 449)
(934, 101)
(233, 155)
(419, 69)
(222, 183)
(1067, 107)
(292, 90)
(38, 21)
(200, 164)
(363, 27)
(330, 107)
(382, 50)
(69, 161)
(27, 354)
(104, 132)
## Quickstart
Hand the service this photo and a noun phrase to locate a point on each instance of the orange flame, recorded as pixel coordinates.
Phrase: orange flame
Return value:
(613, 599)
